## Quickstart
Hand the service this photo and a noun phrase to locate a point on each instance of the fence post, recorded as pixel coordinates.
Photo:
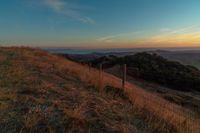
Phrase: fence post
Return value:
(100, 76)
(124, 77)
(89, 67)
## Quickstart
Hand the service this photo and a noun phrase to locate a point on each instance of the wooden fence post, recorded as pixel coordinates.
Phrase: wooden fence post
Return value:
(100, 76)
(89, 67)
(124, 77)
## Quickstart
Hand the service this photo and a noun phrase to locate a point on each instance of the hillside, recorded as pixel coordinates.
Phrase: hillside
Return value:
(42, 92)
(37, 94)
(175, 82)
(188, 57)
(152, 67)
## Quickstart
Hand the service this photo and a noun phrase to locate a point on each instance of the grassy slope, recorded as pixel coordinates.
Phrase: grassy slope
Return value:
(189, 100)
(44, 92)
(38, 95)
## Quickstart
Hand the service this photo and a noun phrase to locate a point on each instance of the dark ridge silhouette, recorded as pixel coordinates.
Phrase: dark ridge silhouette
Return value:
(153, 67)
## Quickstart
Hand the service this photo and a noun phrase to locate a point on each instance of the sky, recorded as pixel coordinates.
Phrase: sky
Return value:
(100, 23)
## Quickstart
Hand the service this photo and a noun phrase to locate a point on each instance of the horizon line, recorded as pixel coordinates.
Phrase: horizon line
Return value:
(65, 47)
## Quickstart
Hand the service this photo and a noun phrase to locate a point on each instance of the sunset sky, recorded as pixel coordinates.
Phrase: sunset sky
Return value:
(100, 23)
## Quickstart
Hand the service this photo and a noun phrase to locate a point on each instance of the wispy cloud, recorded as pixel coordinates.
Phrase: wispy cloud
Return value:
(185, 35)
(165, 37)
(169, 31)
(56, 5)
(117, 37)
(65, 8)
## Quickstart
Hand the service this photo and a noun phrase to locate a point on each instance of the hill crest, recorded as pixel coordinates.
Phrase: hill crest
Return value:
(31, 78)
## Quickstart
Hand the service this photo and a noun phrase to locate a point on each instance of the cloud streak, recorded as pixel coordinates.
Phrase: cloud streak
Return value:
(65, 8)
(168, 31)
(189, 35)
(166, 37)
(117, 37)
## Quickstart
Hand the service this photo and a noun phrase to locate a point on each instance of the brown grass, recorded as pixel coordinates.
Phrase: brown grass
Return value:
(158, 110)
(152, 107)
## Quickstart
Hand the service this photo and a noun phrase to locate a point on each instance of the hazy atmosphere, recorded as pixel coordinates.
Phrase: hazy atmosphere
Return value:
(100, 23)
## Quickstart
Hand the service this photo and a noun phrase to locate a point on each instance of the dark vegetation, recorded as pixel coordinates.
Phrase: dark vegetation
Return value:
(81, 58)
(152, 67)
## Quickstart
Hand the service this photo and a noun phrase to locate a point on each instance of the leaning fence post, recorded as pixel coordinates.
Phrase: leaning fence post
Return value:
(89, 67)
(124, 77)
(100, 76)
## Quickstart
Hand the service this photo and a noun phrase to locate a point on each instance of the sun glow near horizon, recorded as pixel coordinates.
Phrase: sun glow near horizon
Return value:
(100, 24)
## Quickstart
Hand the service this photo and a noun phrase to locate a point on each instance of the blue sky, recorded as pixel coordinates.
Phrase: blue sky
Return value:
(100, 23)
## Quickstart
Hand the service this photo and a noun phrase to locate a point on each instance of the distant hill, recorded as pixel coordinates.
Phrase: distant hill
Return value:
(186, 57)
(155, 68)
(191, 57)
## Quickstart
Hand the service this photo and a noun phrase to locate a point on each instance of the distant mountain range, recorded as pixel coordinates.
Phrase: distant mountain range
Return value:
(187, 57)
(190, 57)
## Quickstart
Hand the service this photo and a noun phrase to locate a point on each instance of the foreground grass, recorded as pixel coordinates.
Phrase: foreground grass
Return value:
(43, 92)
(162, 113)
(39, 95)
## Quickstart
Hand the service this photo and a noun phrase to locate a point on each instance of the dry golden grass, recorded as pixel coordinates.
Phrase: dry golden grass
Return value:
(152, 107)
(160, 111)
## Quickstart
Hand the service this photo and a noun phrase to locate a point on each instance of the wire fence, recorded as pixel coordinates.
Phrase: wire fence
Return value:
(181, 118)
(158, 110)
